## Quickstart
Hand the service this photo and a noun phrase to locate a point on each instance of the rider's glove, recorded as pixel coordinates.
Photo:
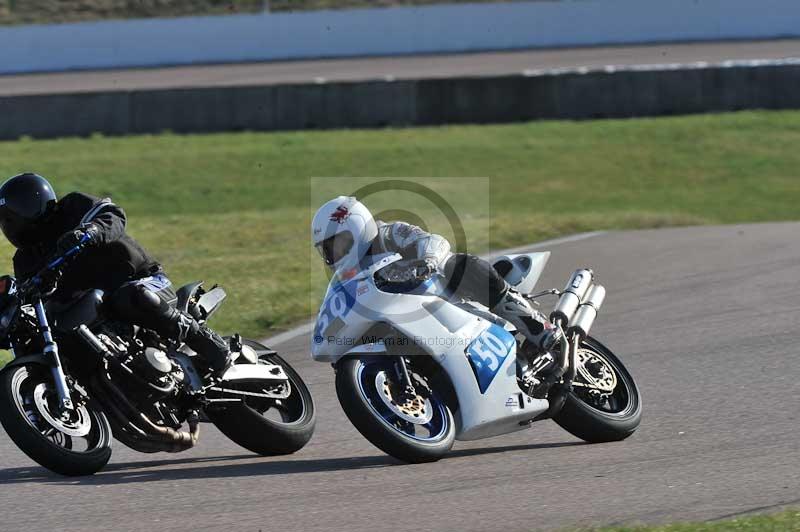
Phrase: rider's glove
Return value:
(70, 239)
(396, 274)
(407, 271)
(424, 268)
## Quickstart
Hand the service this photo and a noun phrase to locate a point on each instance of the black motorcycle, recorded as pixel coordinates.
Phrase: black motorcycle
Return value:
(79, 377)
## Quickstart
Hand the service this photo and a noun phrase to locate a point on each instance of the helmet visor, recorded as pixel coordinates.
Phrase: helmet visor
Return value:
(334, 248)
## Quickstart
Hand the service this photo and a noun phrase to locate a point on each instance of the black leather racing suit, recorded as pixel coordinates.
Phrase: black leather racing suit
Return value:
(138, 291)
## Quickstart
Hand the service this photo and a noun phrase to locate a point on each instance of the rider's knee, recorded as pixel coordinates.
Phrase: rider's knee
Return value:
(145, 299)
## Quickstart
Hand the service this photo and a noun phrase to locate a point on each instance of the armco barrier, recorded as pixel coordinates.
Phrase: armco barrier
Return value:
(389, 31)
(566, 94)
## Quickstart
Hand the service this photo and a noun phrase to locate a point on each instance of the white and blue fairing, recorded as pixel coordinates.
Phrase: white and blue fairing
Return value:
(478, 354)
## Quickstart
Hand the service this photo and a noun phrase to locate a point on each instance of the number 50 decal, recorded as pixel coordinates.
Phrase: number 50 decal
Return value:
(488, 352)
(336, 305)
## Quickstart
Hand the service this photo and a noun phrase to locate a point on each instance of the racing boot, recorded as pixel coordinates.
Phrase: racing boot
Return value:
(206, 343)
(536, 328)
(147, 309)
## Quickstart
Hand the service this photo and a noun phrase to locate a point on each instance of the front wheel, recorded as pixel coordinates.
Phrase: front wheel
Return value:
(75, 444)
(412, 427)
(605, 404)
(282, 424)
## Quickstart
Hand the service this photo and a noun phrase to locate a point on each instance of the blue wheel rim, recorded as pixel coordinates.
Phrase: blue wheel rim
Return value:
(437, 428)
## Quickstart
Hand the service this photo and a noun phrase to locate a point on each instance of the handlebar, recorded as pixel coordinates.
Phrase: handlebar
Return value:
(36, 280)
(410, 271)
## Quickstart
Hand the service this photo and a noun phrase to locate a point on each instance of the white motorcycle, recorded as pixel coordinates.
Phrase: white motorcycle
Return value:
(416, 370)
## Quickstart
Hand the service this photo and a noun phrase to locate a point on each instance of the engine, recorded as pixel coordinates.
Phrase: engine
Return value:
(142, 389)
(155, 367)
(145, 372)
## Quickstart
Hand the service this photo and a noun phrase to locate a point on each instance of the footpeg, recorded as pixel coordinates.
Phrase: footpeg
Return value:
(235, 343)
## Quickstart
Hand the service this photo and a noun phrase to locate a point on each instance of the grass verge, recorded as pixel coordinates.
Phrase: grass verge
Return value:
(14, 12)
(234, 208)
(788, 521)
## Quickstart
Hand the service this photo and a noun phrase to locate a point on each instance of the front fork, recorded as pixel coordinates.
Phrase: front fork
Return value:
(51, 353)
(404, 375)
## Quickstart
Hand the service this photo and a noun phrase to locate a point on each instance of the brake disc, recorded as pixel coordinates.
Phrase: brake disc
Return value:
(78, 425)
(412, 408)
(597, 373)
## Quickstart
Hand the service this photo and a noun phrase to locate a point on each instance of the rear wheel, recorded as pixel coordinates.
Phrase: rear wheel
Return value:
(75, 444)
(413, 427)
(269, 426)
(605, 404)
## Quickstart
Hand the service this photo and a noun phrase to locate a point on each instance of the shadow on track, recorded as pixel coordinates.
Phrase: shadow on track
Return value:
(477, 451)
(138, 472)
(231, 467)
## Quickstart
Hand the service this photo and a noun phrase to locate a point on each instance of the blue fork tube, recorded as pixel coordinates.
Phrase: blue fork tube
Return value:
(51, 352)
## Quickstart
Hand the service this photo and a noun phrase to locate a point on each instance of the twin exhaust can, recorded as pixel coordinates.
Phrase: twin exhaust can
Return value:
(584, 318)
(572, 295)
(579, 303)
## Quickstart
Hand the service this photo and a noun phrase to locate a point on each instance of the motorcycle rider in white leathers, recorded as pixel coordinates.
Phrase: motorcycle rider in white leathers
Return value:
(344, 232)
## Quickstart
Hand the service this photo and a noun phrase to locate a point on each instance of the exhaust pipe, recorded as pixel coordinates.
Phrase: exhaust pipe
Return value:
(584, 318)
(576, 311)
(571, 296)
(162, 438)
(133, 435)
(171, 440)
(565, 309)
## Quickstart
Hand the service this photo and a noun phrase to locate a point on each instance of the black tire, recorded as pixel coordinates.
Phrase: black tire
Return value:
(39, 448)
(246, 426)
(593, 424)
(364, 417)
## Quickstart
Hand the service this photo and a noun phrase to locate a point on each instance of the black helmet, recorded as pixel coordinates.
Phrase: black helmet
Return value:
(25, 201)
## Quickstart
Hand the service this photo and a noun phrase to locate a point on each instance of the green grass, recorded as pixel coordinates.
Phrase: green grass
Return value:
(235, 208)
(788, 521)
(58, 11)
(14, 12)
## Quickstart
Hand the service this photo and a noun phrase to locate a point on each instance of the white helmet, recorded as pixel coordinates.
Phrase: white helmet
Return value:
(343, 230)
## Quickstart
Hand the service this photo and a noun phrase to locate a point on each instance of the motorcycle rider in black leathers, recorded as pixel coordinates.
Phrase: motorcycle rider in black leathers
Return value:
(344, 232)
(40, 226)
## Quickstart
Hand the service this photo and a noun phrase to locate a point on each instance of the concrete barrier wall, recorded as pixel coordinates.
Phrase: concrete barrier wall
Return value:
(565, 95)
(389, 31)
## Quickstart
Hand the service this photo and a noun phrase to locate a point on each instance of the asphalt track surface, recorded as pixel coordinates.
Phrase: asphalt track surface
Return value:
(706, 320)
(410, 67)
